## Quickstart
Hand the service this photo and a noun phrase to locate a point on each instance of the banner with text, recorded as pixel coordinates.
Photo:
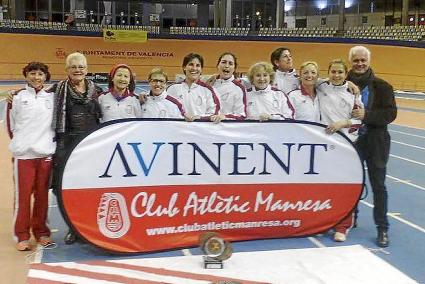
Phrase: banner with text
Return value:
(148, 185)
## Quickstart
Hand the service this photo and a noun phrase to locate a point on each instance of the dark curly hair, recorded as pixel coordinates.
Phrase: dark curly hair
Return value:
(36, 66)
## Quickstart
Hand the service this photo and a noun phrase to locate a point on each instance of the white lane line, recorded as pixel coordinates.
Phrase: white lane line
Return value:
(408, 160)
(410, 145)
(393, 215)
(407, 126)
(35, 256)
(412, 99)
(406, 182)
(316, 242)
(409, 134)
(39, 254)
(186, 252)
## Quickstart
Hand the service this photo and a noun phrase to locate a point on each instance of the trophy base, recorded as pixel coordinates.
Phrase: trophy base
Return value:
(212, 263)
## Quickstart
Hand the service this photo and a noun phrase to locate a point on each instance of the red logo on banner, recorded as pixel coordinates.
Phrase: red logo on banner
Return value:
(150, 190)
(112, 215)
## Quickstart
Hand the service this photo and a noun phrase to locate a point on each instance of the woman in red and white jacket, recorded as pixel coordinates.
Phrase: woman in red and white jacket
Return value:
(30, 128)
(158, 104)
(199, 100)
(120, 102)
(336, 105)
(306, 99)
(265, 102)
(230, 90)
(337, 102)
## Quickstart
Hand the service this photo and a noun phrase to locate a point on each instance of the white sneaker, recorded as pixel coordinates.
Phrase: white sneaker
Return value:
(340, 237)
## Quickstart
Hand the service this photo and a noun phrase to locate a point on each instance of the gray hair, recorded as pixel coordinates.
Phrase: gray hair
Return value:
(75, 56)
(358, 49)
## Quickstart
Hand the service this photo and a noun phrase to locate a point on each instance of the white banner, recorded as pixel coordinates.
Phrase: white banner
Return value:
(147, 185)
(169, 153)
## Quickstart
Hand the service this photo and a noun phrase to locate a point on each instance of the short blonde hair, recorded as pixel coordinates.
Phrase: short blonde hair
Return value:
(259, 66)
(306, 63)
(75, 56)
(157, 71)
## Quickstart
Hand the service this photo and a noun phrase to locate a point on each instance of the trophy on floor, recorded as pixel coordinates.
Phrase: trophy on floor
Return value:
(216, 250)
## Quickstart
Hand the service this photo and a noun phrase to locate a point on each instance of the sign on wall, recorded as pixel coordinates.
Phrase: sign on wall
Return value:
(147, 185)
(80, 14)
(114, 35)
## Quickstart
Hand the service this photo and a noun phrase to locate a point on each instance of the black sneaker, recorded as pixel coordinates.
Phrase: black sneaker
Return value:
(382, 239)
(70, 237)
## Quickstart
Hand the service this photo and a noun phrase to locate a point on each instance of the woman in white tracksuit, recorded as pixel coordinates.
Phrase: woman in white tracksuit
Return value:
(158, 104)
(120, 102)
(336, 105)
(263, 101)
(286, 78)
(230, 90)
(199, 100)
(306, 99)
(337, 102)
(29, 124)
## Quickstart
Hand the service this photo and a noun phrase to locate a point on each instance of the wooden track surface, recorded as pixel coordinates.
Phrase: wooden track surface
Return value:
(13, 266)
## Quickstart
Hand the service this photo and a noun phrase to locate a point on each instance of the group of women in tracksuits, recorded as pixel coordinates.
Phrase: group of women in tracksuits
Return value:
(47, 122)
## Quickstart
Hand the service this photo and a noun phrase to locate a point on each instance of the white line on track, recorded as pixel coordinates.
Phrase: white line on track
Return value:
(401, 92)
(392, 215)
(412, 99)
(410, 145)
(406, 182)
(38, 254)
(316, 242)
(409, 134)
(186, 252)
(408, 160)
(408, 126)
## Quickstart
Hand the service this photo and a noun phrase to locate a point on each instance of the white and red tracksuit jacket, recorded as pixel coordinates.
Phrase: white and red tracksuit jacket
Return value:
(306, 107)
(337, 103)
(232, 97)
(269, 101)
(162, 106)
(286, 81)
(30, 124)
(199, 99)
(112, 109)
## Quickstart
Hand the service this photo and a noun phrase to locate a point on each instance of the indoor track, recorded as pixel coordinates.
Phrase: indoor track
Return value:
(406, 186)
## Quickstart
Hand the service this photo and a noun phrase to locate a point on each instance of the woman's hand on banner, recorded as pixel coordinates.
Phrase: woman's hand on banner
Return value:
(216, 118)
(189, 117)
(265, 117)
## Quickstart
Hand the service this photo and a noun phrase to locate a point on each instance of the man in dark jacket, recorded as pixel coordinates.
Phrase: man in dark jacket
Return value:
(374, 140)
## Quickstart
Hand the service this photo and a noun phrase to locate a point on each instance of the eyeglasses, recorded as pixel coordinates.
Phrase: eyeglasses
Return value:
(79, 67)
(156, 81)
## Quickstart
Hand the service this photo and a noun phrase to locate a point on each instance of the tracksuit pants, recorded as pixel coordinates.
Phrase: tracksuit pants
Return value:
(345, 224)
(32, 177)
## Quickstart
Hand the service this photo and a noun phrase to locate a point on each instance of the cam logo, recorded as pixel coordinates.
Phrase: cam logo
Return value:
(60, 53)
(112, 216)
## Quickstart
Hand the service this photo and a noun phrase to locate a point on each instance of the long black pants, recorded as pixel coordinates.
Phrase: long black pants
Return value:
(375, 160)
